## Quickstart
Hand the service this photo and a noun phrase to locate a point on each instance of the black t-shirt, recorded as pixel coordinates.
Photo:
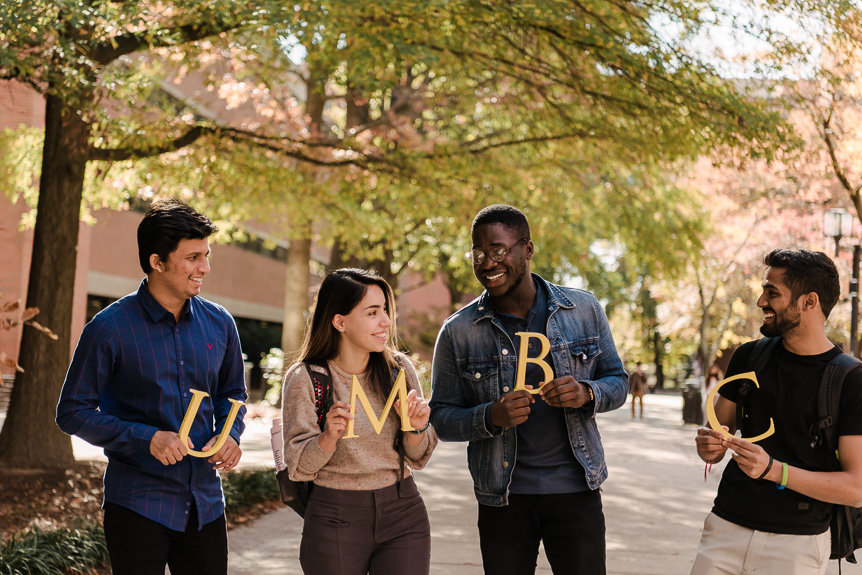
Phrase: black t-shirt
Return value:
(788, 394)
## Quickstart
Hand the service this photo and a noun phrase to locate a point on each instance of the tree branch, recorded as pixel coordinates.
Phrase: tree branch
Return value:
(108, 51)
(121, 154)
(833, 156)
(16, 75)
(533, 140)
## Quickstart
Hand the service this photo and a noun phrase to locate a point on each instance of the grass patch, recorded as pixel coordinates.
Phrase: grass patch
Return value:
(246, 490)
(64, 550)
(81, 549)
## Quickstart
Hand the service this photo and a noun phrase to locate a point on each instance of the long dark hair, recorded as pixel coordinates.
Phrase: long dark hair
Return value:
(340, 292)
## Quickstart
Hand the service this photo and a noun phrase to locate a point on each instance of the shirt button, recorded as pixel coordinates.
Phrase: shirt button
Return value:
(477, 375)
(505, 464)
(505, 352)
(176, 330)
(188, 504)
(185, 394)
(181, 362)
(506, 388)
(187, 511)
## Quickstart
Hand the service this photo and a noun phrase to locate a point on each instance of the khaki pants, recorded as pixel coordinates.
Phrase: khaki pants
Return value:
(728, 549)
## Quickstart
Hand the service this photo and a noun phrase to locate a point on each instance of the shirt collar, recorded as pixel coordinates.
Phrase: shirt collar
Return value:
(556, 298)
(154, 309)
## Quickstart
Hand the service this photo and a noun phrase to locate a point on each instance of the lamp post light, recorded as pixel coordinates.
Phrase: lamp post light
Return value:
(838, 222)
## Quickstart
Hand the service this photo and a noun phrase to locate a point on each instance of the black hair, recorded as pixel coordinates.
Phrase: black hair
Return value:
(511, 217)
(806, 272)
(166, 223)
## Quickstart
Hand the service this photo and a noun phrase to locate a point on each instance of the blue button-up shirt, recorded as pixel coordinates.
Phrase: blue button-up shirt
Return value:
(131, 376)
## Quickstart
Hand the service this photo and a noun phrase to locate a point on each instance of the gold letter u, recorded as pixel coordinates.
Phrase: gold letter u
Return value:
(197, 397)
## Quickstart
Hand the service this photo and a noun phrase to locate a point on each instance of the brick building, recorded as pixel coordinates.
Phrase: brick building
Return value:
(107, 266)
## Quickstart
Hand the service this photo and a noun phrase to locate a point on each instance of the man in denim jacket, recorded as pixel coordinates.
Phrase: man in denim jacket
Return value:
(537, 463)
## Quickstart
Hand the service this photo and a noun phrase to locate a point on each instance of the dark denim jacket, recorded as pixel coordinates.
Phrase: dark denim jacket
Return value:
(475, 362)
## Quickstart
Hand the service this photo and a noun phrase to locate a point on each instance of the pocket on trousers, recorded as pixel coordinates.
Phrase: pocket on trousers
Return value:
(329, 521)
(823, 543)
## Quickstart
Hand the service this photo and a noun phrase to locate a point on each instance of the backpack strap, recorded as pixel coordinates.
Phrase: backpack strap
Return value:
(321, 381)
(757, 359)
(824, 430)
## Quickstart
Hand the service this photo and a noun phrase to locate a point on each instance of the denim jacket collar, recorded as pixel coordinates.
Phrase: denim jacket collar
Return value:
(556, 299)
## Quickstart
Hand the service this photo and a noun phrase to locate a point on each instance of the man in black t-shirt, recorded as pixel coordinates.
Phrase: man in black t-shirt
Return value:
(771, 514)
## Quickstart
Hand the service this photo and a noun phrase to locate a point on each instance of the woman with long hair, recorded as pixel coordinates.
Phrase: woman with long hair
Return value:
(365, 514)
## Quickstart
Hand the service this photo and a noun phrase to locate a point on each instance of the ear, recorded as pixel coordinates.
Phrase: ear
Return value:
(529, 249)
(156, 263)
(810, 302)
(338, 322)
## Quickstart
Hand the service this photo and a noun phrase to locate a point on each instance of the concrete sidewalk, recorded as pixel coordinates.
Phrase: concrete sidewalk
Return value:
(655, 501)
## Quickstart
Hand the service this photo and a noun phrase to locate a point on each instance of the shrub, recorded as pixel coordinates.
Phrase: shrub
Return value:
(245, 489)
(38, 552)
(81, 550)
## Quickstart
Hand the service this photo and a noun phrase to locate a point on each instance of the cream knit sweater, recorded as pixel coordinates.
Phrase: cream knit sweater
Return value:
(365, 462)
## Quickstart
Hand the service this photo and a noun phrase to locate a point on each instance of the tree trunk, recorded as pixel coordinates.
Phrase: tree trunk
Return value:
(296, 286)
(703, 347)
(30, 440)
(455, 294)
(658, 359)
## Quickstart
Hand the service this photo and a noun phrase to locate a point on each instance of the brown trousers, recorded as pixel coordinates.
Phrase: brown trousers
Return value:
(366, 532)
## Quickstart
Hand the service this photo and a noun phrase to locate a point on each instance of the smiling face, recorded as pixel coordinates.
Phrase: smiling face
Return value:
(502, 279)
(366, 328)
(180, 278)
(781, 314)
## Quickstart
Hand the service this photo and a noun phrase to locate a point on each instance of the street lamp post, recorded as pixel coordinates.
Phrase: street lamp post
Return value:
(854, 302)
(838, 222)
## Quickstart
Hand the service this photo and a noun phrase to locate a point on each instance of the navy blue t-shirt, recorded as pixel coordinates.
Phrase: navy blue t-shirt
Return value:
(545, 463)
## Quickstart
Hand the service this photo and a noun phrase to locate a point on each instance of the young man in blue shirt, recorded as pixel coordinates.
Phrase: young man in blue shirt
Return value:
(129, 386)
(536, 463)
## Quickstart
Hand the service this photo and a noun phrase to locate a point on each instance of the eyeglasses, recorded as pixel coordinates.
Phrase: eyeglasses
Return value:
(498, 254)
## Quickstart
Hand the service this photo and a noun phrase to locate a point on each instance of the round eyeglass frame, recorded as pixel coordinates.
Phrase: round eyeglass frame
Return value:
(477, 256)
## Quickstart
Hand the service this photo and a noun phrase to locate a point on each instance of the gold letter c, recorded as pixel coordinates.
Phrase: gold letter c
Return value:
(710, 408)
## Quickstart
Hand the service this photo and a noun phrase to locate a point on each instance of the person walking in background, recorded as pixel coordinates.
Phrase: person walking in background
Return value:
(129, 386)
(638, 387)
(713, 377)
(364, 514)
(774, 502)
(537, 464)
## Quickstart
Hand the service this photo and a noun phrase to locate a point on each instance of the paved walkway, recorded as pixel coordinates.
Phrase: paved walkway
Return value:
(655, 501)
